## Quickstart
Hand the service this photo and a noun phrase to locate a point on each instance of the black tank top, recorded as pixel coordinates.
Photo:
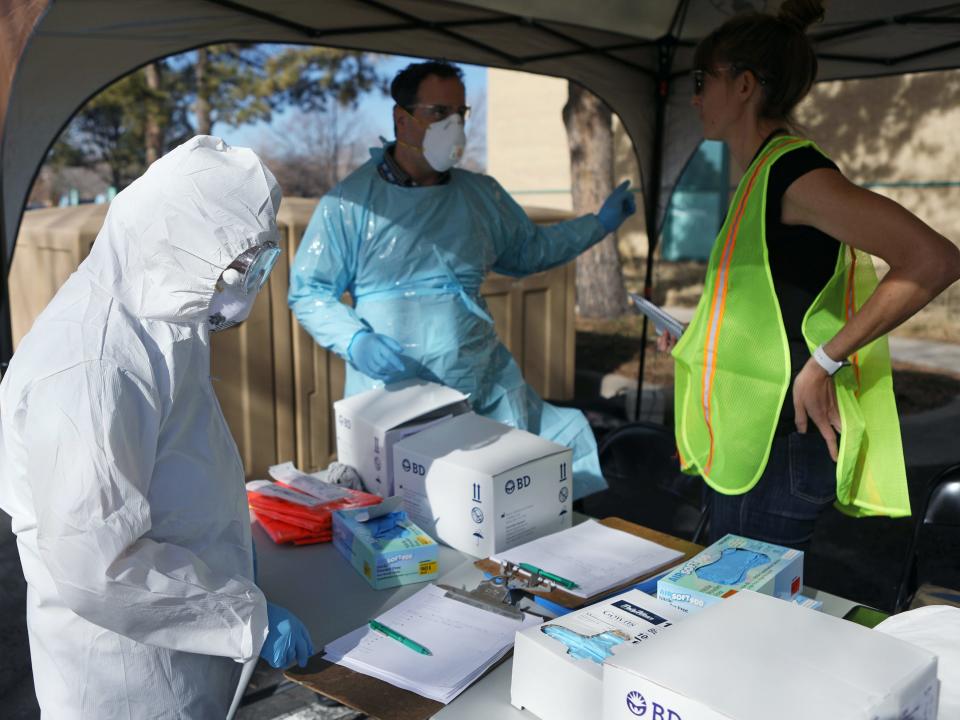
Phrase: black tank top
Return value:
(802, 260)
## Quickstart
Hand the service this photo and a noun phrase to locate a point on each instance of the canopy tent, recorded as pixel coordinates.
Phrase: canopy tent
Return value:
(56, 54)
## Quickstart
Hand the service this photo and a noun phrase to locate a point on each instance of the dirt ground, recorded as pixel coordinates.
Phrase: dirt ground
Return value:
(612, 346)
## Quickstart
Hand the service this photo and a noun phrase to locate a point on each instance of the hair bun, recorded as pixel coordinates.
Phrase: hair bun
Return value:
(801, 13)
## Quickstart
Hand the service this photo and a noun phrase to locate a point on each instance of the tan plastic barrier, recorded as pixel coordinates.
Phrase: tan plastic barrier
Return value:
(275, 385)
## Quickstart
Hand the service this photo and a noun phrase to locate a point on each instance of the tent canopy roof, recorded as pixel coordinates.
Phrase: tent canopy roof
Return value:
(620, 49)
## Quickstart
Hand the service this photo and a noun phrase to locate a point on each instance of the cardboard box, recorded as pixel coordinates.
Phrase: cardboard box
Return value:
(384, 546)
(731, 564)
(483, 487)
(554, 680)
(370, 423)
(754, 657)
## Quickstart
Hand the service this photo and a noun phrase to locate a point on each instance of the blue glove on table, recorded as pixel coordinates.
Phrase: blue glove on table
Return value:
(617, 208)
(377, 356)
(287, 639)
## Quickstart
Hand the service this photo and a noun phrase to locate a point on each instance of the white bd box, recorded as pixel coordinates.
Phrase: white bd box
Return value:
(755, 657)
(483, 487)
(368, 424)
(558, 666)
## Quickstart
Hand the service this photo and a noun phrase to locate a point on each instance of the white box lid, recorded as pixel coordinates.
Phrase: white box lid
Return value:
(391, 406)
(752, 655)
(480, 444)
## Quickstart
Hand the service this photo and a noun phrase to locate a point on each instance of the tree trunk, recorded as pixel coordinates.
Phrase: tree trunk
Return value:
(202, 107)
(153, 127)
(600, 289)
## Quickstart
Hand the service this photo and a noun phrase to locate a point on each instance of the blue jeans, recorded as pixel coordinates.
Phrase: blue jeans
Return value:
(798, 484)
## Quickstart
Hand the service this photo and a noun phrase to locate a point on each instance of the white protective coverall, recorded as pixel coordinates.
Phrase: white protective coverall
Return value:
(124, 483)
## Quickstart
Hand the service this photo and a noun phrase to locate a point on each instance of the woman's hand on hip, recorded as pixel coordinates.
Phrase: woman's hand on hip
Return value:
(815, 398)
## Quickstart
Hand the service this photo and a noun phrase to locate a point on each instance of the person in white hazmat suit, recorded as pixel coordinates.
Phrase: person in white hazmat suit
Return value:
(125, 486)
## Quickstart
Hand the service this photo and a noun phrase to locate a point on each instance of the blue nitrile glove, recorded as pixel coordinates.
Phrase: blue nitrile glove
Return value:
(287, 639)
(377, 356)
(617, 208)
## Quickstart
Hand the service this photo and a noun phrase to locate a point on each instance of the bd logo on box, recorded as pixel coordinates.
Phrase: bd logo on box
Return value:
(415, 468)
(520, 483)
(637, 705)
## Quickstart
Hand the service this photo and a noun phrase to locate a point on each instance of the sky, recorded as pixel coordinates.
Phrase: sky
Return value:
(373, 115)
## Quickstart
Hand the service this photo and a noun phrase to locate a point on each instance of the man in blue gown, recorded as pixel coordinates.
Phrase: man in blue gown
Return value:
(412, 239)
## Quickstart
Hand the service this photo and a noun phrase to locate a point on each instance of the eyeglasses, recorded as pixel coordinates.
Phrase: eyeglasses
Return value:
(253, 267)
(698, 81)
(699, 75)
(441, 112)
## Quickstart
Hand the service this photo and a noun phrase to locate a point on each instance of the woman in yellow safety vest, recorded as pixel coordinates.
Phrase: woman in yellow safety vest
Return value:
(792, 322)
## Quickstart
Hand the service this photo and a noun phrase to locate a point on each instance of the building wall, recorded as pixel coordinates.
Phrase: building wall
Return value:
(898, 135)
(526, 140)
(527, 148)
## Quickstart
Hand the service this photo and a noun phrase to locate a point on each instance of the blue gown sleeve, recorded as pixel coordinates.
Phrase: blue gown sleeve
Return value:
(525, 248)
(324, 268)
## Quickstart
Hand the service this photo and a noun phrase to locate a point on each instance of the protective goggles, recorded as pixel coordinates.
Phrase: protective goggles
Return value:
(250, 270)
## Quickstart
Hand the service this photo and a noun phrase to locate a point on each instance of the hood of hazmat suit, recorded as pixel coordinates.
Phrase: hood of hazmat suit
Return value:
(125, 486)
(413, 258)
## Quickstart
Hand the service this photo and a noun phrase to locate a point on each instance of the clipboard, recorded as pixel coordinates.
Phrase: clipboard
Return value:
(662, 320)
(573, 602)
(378, 699)
(373, 697)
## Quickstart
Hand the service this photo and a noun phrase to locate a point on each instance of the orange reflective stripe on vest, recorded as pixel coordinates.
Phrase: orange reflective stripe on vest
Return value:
(851, 306)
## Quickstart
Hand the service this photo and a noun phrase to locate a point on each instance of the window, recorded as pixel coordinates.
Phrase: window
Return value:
(698, 204)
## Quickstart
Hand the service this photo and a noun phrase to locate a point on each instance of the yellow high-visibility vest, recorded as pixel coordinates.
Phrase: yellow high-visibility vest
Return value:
(733, 364)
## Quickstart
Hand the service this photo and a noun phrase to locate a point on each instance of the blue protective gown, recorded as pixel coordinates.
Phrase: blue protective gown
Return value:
(413, 259)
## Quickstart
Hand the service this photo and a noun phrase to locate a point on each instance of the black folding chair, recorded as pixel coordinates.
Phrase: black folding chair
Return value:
(941, 510)
(639, 461)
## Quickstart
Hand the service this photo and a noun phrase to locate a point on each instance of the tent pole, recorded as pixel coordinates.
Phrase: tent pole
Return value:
(6, 331)
(652, 199)
(666, 47)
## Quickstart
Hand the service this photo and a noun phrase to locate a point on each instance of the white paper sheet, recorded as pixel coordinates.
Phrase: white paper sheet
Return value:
(314, 485)
(464, 640)
(272, 489)
(594, 556)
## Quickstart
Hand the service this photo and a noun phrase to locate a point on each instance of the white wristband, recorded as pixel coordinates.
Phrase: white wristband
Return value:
(826, 362)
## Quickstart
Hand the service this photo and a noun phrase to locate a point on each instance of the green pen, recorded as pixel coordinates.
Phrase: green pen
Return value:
(534, 570)
(394, 635)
